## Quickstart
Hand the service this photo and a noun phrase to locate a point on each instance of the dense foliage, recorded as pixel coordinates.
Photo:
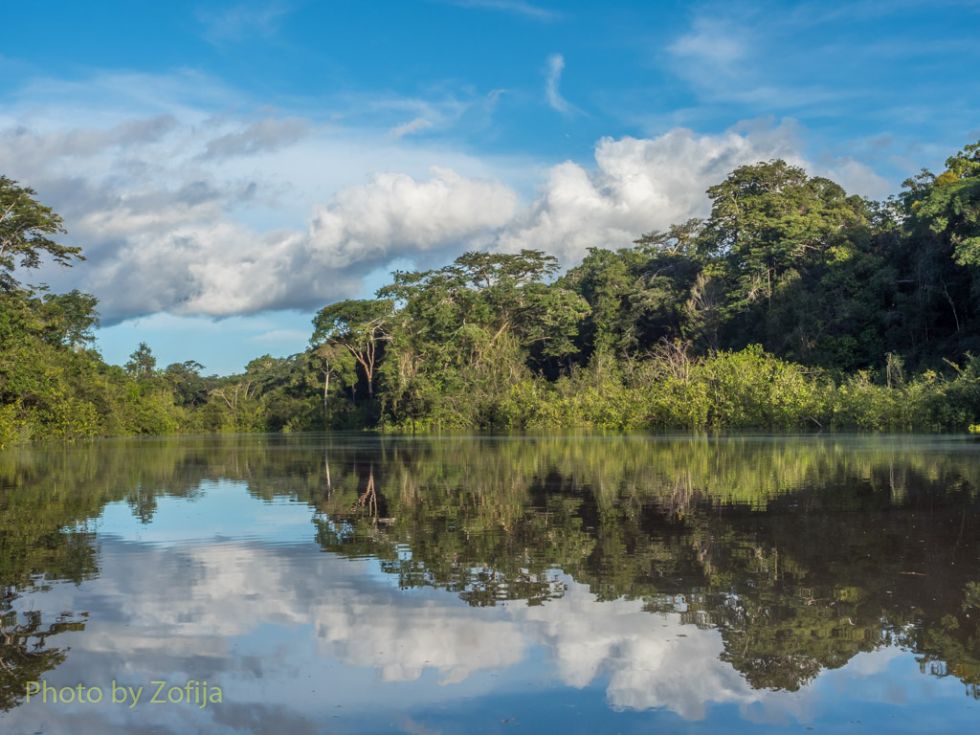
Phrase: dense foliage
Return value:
(791, 305)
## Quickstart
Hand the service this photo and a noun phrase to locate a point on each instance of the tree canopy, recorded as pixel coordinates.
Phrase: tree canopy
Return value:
(790, 304)
(26, 230)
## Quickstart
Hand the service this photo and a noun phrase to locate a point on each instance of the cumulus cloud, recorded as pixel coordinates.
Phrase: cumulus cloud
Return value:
(638, 185)
(186, 213)
(395, 213)
(36, 149)
(856, 177)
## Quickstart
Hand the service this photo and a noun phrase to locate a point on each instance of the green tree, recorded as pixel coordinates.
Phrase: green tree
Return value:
(185, 380)
(770, 218)
(337, 367)
(142, 364)
(466, 333)
(26, 227)
(637, 296)
(70, 318)
(949, 204)
(358, 326)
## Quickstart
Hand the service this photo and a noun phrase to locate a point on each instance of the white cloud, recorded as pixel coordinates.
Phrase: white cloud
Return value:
(638, 185)
(415, 125)
(437, 109)
(214, 606)
(395, 214)
(854, 176)
(183, 212)
(651, 661)
(402, 638)
(556, 65)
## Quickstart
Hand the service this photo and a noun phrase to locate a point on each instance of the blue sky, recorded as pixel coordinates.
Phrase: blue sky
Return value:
(230, 167)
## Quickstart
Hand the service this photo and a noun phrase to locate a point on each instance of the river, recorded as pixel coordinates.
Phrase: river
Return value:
(363, 584)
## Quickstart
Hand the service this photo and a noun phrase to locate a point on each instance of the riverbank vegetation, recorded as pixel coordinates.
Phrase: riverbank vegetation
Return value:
(792, 305)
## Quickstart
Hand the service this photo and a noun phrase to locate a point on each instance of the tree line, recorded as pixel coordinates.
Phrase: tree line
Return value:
(792, 304)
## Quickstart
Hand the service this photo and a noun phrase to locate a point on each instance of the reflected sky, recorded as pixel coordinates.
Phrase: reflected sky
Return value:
(231, 584)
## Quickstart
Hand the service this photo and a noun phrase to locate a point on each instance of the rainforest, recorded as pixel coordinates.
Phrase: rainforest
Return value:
(791, 305)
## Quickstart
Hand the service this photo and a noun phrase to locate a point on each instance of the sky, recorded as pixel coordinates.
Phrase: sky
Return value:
(229, 168)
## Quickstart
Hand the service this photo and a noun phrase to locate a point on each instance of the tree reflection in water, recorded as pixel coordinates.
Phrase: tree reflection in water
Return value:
(801, 552)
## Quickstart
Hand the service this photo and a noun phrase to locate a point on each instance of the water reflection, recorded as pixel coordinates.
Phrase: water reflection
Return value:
(466, 584)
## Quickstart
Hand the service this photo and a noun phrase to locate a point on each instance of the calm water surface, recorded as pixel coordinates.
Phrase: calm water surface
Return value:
(332, 584)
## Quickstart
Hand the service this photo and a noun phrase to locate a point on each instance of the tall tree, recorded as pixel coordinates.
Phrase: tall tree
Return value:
(26, 230)
(938, 252)
(332, 360)
(357, 325)
(142, 364)
(949, 204)
(769, 218)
